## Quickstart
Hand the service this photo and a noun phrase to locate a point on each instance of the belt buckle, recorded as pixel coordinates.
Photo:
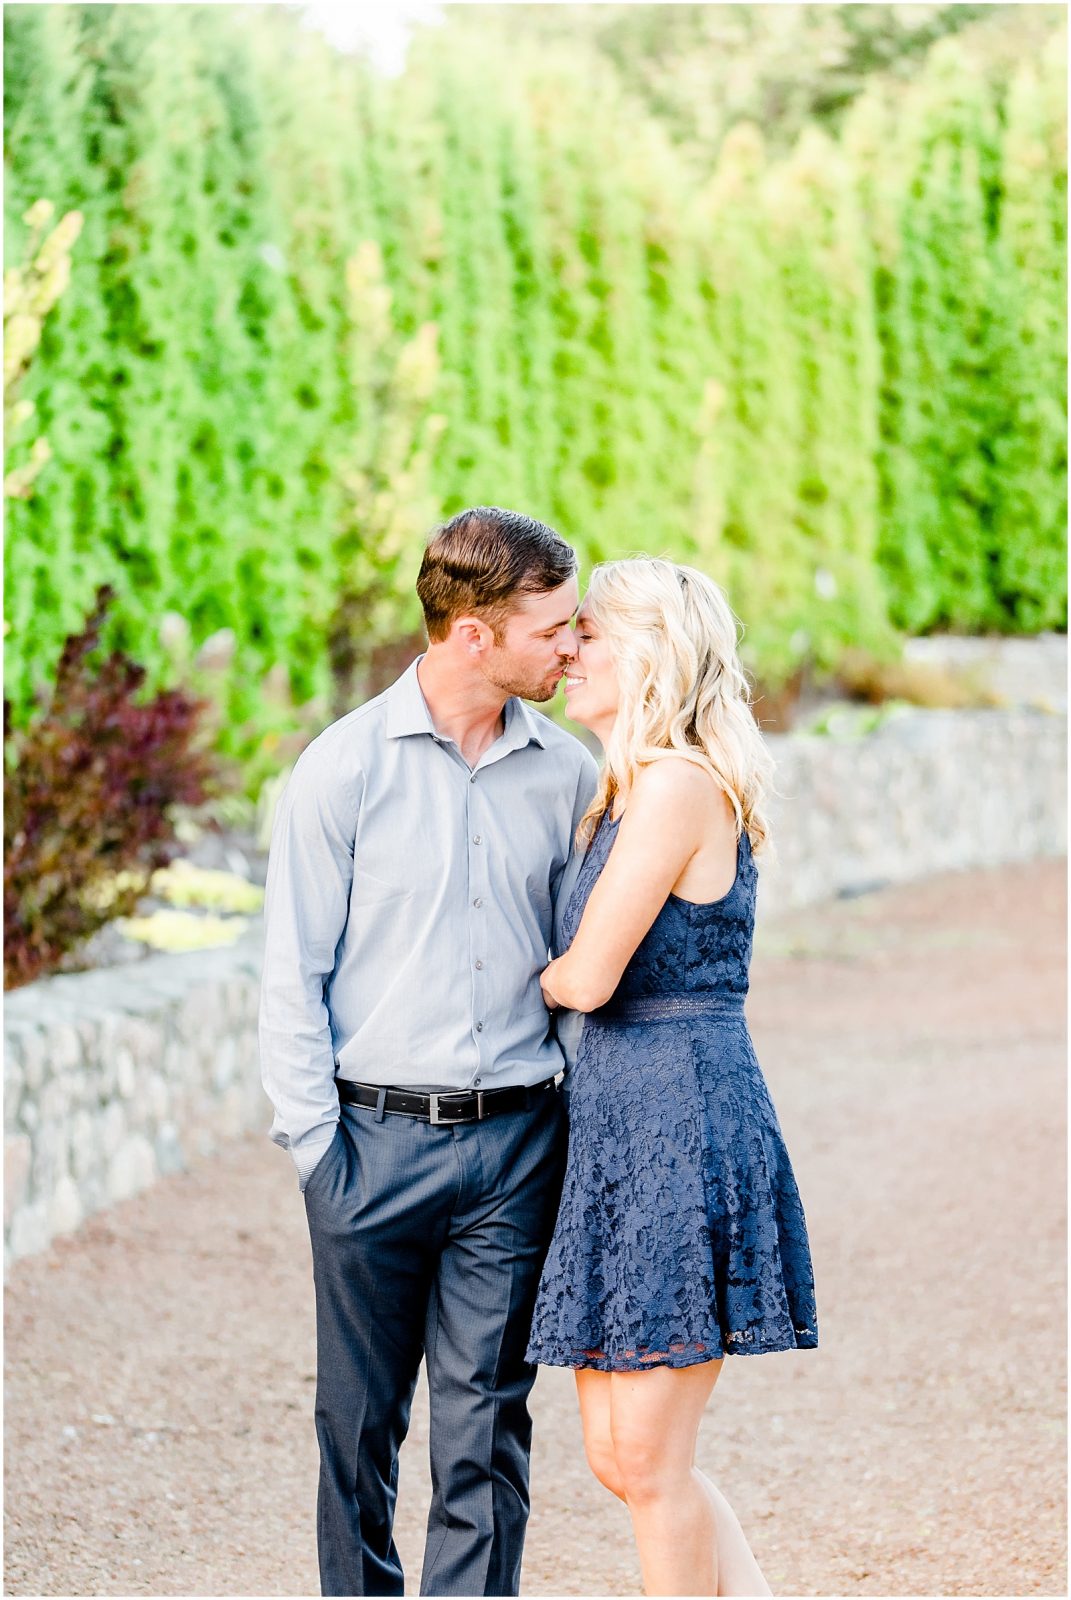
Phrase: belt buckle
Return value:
(435, 1116)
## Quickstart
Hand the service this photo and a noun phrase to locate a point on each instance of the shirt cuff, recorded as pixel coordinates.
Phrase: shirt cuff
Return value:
(310, 1150)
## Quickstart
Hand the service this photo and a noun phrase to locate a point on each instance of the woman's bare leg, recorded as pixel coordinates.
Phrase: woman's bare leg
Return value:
(654, 1420)
(593, 1395)
(738, 1571)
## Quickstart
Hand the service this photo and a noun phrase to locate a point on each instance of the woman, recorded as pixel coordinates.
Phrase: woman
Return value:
(681, 1238)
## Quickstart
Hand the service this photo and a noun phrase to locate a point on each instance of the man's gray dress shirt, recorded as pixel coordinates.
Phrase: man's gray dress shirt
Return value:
(410, 909)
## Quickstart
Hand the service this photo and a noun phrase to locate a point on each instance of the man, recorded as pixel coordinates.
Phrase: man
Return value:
(415, 861)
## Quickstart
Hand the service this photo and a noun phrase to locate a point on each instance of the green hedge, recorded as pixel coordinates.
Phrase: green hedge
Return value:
(837, 380)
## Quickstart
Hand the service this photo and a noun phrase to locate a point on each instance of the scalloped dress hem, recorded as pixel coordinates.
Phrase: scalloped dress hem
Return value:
(806, 1339)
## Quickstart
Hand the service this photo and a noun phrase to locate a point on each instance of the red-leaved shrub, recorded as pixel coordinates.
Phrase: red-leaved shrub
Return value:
(88, 790)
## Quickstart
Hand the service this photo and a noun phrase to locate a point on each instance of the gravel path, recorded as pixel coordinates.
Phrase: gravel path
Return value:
(160, 1362)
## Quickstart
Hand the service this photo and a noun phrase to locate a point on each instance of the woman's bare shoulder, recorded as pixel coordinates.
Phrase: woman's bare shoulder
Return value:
(677, 780)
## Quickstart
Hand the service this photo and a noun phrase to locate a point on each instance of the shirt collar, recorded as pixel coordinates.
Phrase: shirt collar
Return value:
(407, 713)
(523, 725)
(407, 710)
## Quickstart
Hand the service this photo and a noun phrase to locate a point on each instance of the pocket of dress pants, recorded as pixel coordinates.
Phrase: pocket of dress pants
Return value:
(325, 1160)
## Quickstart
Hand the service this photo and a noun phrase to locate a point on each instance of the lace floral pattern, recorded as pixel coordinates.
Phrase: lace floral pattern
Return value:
(681, 1237)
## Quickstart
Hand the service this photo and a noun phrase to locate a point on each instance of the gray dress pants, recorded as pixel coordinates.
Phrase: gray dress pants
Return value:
(428, 1241)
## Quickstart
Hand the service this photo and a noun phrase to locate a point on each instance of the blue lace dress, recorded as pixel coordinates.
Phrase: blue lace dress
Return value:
(681, 1237)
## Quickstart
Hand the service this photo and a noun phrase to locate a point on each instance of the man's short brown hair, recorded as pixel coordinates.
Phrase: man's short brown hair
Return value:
(483, 561)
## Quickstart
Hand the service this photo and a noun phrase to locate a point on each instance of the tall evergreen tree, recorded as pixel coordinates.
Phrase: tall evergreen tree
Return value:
(827, 276)
(47, 582)
(1030, 523)
(768, 570)
(949, 405)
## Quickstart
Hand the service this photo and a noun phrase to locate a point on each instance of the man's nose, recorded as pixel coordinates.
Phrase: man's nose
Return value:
(567, 645)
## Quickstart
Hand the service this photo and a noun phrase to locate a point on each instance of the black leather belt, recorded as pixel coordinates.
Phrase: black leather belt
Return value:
(466, 1105)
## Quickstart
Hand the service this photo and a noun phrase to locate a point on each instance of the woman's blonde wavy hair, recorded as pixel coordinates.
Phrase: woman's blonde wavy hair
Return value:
(672, 638)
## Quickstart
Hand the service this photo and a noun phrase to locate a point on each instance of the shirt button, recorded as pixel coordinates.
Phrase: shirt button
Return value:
(479, 966)
(477, 902)
(477, 839)
(477, 1080)
(479, 1027)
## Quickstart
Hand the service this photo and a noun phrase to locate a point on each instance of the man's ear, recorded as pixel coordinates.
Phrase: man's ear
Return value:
(474, 635)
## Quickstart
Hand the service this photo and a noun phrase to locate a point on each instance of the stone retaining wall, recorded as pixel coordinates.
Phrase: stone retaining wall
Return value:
(929, 791)
(115, 1076)
(1030, 671)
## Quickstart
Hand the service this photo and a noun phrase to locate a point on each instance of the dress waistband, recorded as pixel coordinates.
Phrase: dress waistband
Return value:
(668, 1007)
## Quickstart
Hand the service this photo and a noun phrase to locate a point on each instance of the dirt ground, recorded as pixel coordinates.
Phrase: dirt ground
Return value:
(160, 1362)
